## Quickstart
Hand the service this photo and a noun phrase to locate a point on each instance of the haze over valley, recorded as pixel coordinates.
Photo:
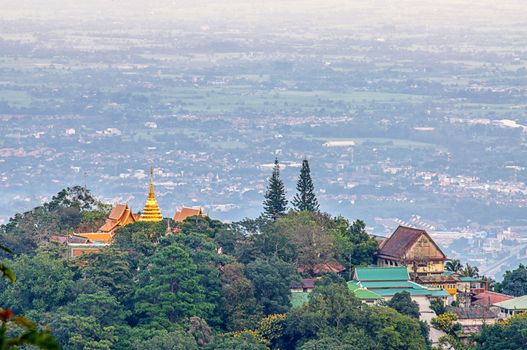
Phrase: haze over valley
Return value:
(410, 112)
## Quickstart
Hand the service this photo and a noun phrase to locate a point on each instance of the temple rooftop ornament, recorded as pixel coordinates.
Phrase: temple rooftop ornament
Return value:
(151, 212)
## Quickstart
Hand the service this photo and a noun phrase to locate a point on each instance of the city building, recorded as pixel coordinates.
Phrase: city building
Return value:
(447, 282)
(472, 285)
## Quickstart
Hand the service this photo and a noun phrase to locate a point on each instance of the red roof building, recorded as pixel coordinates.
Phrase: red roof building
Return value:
(486, 299)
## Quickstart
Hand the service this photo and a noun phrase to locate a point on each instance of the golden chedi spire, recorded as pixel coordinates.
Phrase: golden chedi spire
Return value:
(151, 212)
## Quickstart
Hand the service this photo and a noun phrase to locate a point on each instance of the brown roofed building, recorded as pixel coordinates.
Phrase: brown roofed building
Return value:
(472, 319)
(306, 285)
(322, 268)
(413, 248)
(184, 213)
(81, 243)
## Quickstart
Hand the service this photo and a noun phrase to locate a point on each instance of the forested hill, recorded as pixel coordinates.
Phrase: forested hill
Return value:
(210, 286)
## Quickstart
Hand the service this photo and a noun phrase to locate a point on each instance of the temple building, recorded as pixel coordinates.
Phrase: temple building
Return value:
(120, 215)
(184, 213)
(414, 249)
(80, 243)
(151, 211)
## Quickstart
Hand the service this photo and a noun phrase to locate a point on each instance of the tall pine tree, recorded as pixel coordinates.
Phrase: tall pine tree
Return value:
(275, 204)
(305, 199)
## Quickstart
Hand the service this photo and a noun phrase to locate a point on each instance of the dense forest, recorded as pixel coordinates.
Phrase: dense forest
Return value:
(210, 285)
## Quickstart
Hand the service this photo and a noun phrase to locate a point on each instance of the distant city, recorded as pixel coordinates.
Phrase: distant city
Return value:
(425, 128)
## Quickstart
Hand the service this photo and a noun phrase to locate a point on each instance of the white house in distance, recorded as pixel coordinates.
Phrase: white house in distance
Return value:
(512, 307)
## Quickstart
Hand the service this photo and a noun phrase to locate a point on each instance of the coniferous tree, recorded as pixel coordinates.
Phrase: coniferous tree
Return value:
(275, 203)
(305, 198)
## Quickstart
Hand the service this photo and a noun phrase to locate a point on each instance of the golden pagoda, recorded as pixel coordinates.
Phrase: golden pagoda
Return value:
(151, 212)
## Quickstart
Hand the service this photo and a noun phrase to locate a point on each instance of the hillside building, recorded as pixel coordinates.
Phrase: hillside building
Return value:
(151, 212)
(414, 249)
(90, 242)
(184, 213)
(120, 216)
(374, 284)
(512, 307)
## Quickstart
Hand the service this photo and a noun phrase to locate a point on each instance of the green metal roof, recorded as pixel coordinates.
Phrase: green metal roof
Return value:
(388, 284)
(519, 303)
(362, 293)
(382, 273)
(413, 292)
(365, 294)
(298, 299)
(390, 281)
(353, 286)
(439, 293)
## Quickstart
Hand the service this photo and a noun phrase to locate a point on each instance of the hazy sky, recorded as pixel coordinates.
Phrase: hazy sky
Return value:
(433, 12)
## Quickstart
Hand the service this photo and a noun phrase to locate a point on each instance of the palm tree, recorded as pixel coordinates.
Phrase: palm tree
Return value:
(470, 271)
(454, 265)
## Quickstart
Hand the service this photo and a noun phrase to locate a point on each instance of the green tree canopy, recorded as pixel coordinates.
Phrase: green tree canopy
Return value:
(99, 304)
(239, 303)
(44, 282)
(244, 341)
(168, 289)
(333, 313)
(515, 282)
(203, 251)
(25, 232)
(83, 332)
(353, 245)
(275, 203)
(165, 340)
(17, 331)
(510, 334)
(454, 265)
(272, 283)
(310, 235)
(305, 198)
(139, 240)
(470, 271)
(438, 306)
(269, 241)
(77, 197)
(403, 303)
(109, 269)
